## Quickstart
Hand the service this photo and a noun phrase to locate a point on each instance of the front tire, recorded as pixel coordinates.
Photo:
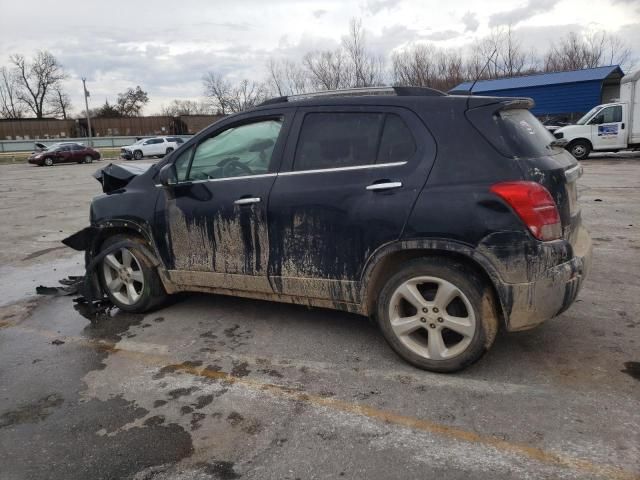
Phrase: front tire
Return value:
(137, 155)
(48, 162)
(580, 149)
(437, 314)
(129, 278)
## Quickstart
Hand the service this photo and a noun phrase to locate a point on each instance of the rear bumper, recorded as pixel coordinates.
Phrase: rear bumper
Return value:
(530, 304)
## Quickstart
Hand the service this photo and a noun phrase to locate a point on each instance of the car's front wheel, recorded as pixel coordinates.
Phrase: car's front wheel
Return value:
(137, 155)
(437, 315)
(129, 278)
(48, 162)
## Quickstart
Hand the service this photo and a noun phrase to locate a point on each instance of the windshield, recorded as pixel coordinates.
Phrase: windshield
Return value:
(587, 115)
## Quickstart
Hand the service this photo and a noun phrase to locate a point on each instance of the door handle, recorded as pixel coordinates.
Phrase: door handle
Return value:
(384, 186)
(247, 201)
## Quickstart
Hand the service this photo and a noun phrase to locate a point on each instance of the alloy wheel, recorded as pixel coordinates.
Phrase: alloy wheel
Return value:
(123, 276)
(432, 317)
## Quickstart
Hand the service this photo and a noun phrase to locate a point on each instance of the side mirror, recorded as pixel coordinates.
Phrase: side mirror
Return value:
(168, 175)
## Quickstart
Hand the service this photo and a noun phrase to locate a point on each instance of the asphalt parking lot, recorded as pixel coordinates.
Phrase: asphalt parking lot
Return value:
(218, 387)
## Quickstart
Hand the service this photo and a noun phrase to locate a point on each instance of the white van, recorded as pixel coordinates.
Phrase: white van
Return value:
(610, 127)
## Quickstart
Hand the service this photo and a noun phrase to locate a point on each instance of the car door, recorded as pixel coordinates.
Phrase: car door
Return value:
(78, 153)
(64, 154)
(212, 225)
(346, 188)
(607, 129)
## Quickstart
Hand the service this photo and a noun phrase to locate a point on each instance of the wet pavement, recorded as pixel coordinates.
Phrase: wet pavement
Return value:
(214, 387)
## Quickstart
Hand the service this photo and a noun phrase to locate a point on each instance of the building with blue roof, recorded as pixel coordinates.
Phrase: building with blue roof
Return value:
(556, 94)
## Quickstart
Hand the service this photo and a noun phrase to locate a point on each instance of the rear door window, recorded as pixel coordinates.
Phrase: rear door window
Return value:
(335, 140)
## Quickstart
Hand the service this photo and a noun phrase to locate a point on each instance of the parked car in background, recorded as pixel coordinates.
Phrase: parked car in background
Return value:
(151, 147)
(444, 218)
(64, 152)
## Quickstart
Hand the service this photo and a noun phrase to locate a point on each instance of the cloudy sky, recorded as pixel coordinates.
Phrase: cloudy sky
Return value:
(167, 46)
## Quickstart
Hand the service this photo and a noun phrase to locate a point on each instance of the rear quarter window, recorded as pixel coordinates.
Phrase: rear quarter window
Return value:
(516, 133)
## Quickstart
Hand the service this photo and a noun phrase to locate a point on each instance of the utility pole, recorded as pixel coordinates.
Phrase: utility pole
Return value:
(86, 106)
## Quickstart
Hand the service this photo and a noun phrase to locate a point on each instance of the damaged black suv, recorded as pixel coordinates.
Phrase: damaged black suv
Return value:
(443, 217)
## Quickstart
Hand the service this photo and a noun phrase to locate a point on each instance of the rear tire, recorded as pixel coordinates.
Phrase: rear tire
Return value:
(580, 149)
(88, 159)
(169, 150)
(137, 155)
(437, 314)
(129, 278)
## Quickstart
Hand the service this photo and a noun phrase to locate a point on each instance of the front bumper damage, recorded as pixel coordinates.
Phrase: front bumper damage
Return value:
(90, 301)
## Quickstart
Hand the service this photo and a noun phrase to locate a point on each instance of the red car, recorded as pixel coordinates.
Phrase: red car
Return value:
(64, 153)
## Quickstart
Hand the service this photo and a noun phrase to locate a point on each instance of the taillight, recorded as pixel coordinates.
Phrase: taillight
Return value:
(535, 207)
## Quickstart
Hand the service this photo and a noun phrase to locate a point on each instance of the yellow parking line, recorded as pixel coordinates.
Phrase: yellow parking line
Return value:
(543, 456)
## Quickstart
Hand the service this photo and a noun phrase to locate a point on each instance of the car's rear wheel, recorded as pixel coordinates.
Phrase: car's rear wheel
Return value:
(437, 315)
(169, 150)
(48, 162)
(88, 159)
(129, 278)
(137, 155)
(580, 149)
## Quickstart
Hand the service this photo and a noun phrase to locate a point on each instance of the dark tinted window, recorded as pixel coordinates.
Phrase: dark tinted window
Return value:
(334, 140)
(516, 133)
(175, 139)
(77, 147)
(397, 143)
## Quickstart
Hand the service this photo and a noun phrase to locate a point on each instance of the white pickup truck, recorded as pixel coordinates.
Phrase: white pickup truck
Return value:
(610, 127)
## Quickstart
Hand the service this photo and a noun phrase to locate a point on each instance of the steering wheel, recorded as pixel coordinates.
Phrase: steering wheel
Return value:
(234, 165)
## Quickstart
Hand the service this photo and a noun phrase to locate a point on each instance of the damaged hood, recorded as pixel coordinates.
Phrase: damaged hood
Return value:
(115, 176)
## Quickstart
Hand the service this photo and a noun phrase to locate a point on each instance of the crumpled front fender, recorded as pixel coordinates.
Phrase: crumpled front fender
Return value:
(81, 240)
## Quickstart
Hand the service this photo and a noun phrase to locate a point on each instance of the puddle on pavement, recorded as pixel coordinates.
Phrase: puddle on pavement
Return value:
(18, 283)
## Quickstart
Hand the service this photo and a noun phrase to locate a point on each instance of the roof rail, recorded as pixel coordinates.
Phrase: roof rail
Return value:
(358, 92)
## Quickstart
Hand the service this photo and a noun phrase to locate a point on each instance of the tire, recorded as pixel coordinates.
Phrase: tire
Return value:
(148, 292)
(580, 149)
(88, 159)
(169, 150)
(425, 341)
(137, 155)
(48, 162)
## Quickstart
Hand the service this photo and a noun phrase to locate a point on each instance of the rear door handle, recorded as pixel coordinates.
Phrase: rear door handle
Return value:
(247, 201)
(384, 186)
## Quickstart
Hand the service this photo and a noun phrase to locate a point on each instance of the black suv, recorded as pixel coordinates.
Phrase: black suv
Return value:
(443, 217)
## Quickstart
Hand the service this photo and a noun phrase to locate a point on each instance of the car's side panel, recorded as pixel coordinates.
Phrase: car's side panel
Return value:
(324, 224)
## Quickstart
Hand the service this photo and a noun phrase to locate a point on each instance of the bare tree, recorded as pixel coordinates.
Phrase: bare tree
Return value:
(37, 80)
(218, 92)
(228, 98)
(366, 68)
(60, 103)
(286, 78)
(185, 107)
(327, 70)
(10, 105)
(131, 102)
(595, 49)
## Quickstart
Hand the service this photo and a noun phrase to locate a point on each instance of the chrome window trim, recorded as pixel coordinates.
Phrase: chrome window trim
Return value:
(261, 175)
(343, 169)
(320, 170)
